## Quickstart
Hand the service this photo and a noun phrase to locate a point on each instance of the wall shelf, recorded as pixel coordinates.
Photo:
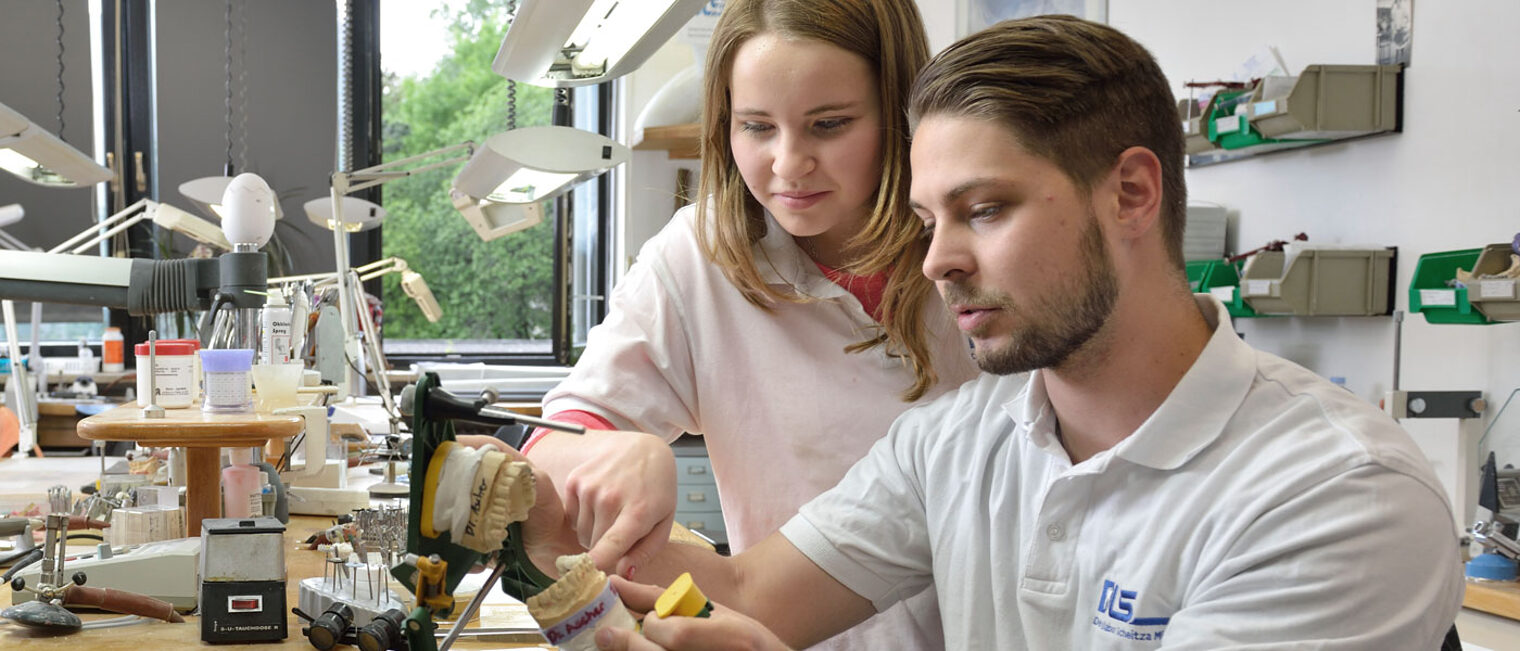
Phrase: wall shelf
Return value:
(1324, 104)
(678, 140)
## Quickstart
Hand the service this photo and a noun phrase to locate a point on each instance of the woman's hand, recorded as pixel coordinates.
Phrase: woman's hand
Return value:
(723, 629)
(621, 498)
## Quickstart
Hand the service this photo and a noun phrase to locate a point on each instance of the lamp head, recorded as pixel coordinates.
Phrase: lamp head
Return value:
(417, 288)
(249, 204)
(11, 214)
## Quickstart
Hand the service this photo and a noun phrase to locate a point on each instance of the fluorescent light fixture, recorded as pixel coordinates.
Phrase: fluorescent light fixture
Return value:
(358, 214)
(206, 194)
(564, 43)
(500, 189)
(35, 155)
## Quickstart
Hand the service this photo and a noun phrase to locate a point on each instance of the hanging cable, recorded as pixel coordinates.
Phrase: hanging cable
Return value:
(343, 152)
(511, 85)
(227, 84)
(242, 85)
(60, 72)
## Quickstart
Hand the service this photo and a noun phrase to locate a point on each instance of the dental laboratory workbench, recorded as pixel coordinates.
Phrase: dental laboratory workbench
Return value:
(300, 564)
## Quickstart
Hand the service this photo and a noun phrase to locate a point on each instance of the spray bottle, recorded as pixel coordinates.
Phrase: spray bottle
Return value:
(275, 330)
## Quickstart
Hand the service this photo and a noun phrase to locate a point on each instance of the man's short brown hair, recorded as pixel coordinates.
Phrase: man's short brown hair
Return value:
(1074, 92)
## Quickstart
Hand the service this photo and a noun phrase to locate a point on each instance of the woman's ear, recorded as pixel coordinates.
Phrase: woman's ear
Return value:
(1138, 184)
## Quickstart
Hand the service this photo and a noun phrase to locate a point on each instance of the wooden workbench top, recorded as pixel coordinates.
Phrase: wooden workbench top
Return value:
(189, 427)
(1494, 598)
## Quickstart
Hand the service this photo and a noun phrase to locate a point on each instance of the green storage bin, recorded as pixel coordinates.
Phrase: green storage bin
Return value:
(1219, 278)
(1430, 295)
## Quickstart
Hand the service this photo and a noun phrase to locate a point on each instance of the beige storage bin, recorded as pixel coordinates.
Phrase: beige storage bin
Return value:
(1318, 282)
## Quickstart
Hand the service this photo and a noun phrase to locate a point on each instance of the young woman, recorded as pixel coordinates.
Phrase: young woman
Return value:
(784, 317)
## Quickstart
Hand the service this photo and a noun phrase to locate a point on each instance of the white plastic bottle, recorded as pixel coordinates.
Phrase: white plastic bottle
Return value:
(274, 330)
(112, 351)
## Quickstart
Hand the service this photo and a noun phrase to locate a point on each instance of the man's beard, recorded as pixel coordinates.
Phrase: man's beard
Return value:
(1061, 322)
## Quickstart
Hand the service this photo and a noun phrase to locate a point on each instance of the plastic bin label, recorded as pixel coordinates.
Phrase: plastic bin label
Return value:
(1225, 294)
(1227, 124)
(1259, 287)
(1503, 288)
(1438, 298)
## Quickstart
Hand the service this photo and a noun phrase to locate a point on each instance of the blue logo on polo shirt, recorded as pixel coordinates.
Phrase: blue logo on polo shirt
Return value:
(1116, 615)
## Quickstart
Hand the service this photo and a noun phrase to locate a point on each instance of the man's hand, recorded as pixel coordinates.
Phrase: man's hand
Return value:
(724, 629)
(620, 497)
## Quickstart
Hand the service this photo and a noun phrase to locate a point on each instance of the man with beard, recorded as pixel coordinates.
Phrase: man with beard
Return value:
(1153, 481)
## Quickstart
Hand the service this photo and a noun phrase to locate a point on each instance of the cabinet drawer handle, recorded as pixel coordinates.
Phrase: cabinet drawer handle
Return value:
(696, 470)
(696, 497)
(696, 524)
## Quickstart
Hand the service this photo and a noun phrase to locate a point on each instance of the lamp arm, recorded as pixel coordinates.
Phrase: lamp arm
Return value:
(367, 271)
(377, 362)
(9, 241)
(372, 176)
(83, 240)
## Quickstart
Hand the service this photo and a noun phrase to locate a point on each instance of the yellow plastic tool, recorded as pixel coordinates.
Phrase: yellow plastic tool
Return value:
(682, 598)
(430, 487)
(430, 585)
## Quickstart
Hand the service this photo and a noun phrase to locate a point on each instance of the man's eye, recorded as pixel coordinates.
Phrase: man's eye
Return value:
(986, 211)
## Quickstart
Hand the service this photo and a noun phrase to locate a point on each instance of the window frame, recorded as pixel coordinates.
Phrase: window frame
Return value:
(365, 110)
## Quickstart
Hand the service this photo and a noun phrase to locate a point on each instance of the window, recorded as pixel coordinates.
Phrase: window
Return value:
(511, 299)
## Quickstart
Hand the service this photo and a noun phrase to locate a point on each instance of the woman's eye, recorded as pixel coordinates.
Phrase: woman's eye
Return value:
(927, 232)
(831, 124)
(754, 127)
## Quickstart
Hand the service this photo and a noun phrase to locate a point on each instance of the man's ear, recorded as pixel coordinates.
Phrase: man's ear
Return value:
(1138, 179)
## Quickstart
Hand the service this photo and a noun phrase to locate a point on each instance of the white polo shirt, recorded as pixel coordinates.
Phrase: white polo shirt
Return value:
(1259, 507)
(784, 411)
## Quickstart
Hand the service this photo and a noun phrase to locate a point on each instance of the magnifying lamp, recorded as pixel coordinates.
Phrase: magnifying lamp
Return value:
(506, 179)
(564, 43)
(35, 155)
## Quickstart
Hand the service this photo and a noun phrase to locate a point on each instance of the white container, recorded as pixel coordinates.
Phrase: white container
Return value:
(111, 351)
(227, 376)
(274, 331)
(173, 377)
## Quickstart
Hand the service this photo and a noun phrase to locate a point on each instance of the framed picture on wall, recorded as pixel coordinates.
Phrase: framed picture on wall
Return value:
(973, 15)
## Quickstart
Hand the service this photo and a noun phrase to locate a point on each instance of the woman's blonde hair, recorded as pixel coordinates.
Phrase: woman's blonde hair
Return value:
(889, 35)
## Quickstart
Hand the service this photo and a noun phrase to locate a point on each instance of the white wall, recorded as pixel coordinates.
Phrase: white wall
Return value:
(1442, 184)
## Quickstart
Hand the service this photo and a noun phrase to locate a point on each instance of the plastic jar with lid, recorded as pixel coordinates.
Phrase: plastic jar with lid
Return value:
(227, 378)
(196, 344)
(173, 377)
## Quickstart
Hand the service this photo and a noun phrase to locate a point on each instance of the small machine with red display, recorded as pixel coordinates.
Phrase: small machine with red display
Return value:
(242, 580)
